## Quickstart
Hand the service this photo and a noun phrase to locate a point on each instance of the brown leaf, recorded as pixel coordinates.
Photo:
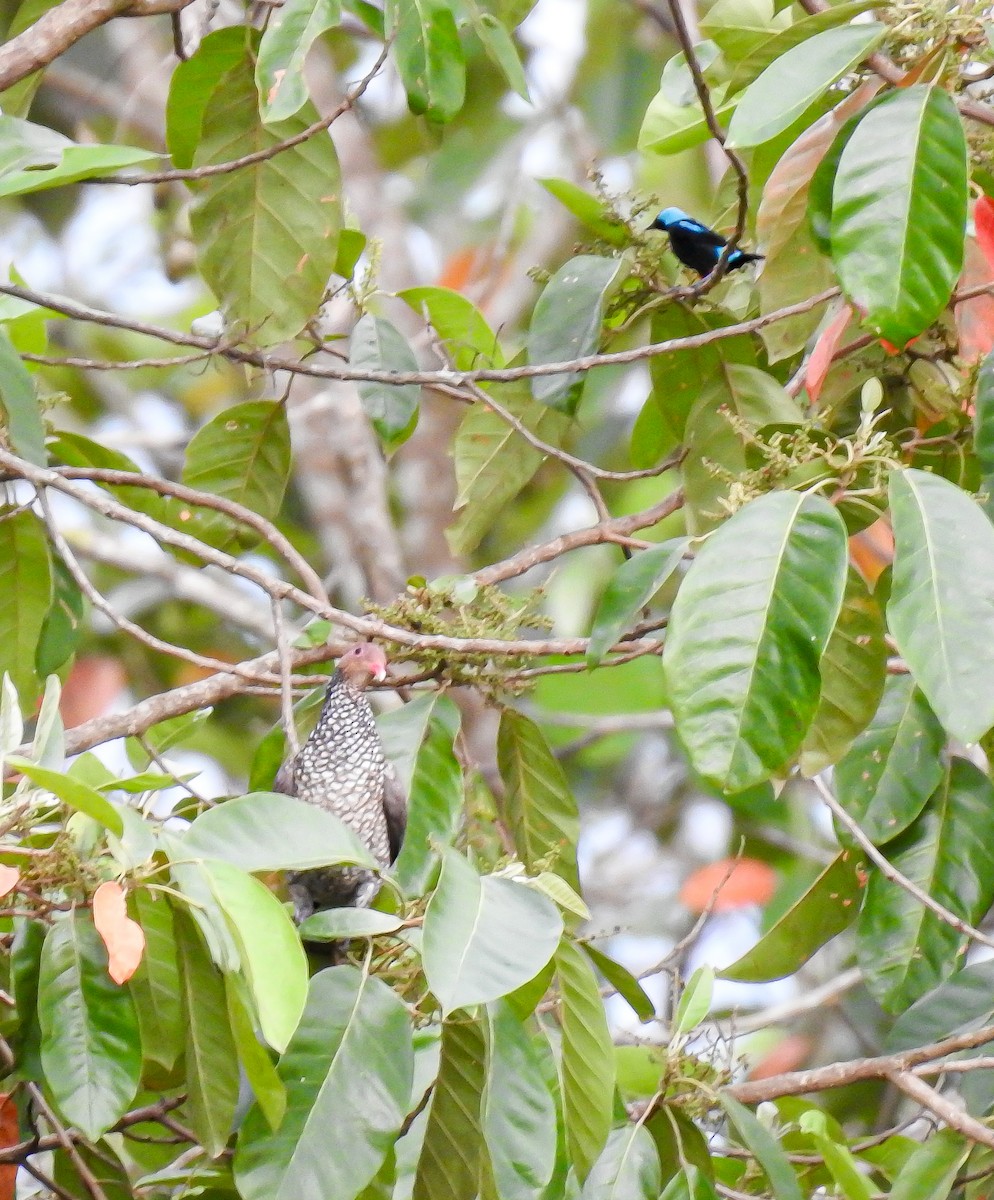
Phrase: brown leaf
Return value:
(124, 938)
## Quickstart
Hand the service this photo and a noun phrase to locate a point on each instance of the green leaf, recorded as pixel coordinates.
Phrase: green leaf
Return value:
(690, 1183)
(266, 1085)
(837, 1156)
(470, 341)
(941, 607)
(903, 948)
(623, 982)
(853, 674)
(484, 937)
(428, 56)
(898, 254)
(792, 83)
(559, 891)
(192, 84)
(965, 1001)
(566, 324)
(267, 234)
(435, 808)
(75, 450)
(17, 99)
(402, 730)
(290, 32)
(695, 1000)
(519, 1116)
(61, 632)
(155, 985)
(932, 1168)
(242, 455)
(493, 462)
(273, 958)
(758, 1139)
(90, 1042)
(628, 1168)
(267, 831)
(828, 906)
(983, 421)
(19, 406)
(588, 1067)
(77, 795)
(738, 395)
(746, 631)
(348, 1073)
(33, 158)
(334, 923)
(25, 598)
(588, 209)
(454, 1149)
(668, 128)
(539, 807)
(501, 50)
(630, 588)
(210, 1055)
(894, 765)
(377, 345)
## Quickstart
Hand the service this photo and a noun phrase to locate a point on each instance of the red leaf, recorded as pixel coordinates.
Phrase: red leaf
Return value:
(983, 222)
(975, 317)
(9, 1136)
(124, 938)
(825, 348)
(9, 879)
(730, 883)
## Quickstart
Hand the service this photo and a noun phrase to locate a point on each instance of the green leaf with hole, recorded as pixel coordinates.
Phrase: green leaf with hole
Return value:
(566, 324)
(90, 1040)
(484, 937)
(378, 345)
(348, 1073)
(795, 80)
(747, 631)
(898, 251)
(828, 907)
(894, 765)
(267, 234)
(941, 607)
(291, 30)
(630, 588)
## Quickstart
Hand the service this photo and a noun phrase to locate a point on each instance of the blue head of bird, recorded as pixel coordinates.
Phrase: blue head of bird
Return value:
(669, 217)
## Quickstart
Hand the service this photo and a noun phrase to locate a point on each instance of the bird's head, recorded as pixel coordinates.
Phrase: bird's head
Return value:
(363, 663)
(668, 218)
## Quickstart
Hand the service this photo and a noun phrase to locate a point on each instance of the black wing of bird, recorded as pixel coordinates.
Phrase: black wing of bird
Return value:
(699, 233)
(395, 811)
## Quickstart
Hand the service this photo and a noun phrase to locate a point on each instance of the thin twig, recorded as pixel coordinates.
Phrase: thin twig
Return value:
(286, 691)
(956, 1118)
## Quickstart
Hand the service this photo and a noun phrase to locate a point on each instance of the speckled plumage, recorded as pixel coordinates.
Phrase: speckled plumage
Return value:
(342, 768)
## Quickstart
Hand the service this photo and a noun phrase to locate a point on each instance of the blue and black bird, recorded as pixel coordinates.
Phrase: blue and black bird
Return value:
(695, 245)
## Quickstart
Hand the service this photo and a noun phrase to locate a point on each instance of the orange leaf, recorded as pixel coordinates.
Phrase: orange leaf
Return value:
(975, 317)
(10, 877)
(872, 550)
(983, 222)
(9, 1136)
(824, 351)
(789, 1054)
(730, 883)
(123, 937)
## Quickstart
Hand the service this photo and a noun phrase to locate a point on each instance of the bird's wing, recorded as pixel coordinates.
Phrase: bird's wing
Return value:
(700, 233)
(395, 811)
(284, 781)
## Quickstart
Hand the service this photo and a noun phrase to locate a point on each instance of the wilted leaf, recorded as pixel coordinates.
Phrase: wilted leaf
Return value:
(123, 937)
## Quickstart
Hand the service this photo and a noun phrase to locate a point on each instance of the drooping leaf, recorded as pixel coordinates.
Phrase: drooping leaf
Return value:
(566, 324)
(519, 1117)
(484, 937)
(941, 607)
(90, 1041)
(747, 630)
(792, 83)
(267, 233)
(631, 587)
(192, 84)
(623, 982)
(853, 674)
(273, 958)
(829, 905)
(758, 1139)
(348, 1073)
(428, 55)
(242, 455)
(123, 937)
(377, 345)
(266, 1085)
(501, 50)
(540, 808)
(25, 597)
(267, 831)
(903, 948)
(290, 32)
(627, 1169)
(210, 1058)
(19, 409)
(76, 794)
(898, 253)
(894, 765)
(588, 1068)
